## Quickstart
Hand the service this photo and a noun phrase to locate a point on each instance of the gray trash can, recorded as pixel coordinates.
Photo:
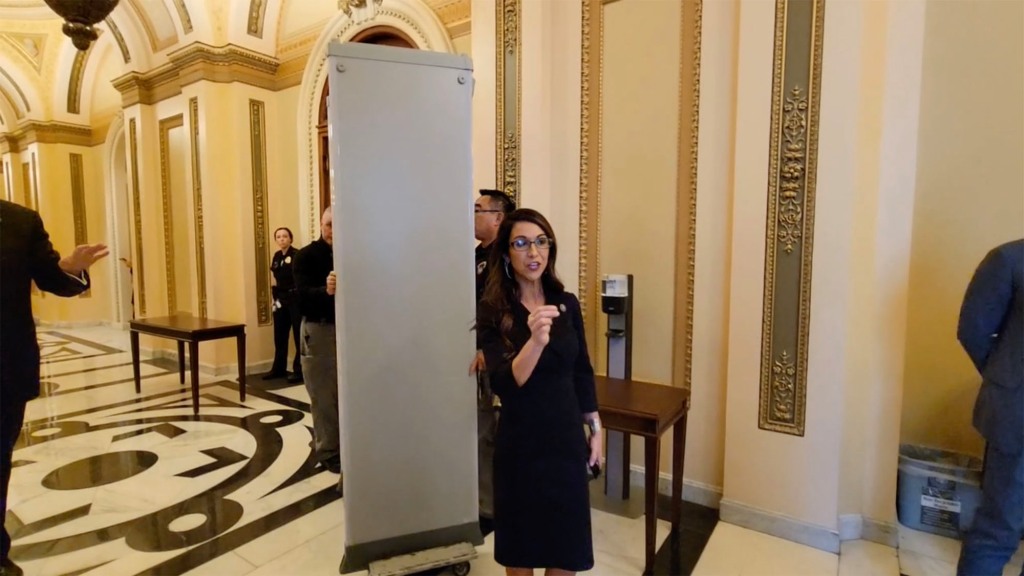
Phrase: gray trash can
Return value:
(938, 491)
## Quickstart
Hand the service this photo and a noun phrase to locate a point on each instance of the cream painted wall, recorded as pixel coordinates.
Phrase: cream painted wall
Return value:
(640, 152)
(55, 210)
(104, 101)
(178, 165)
(970, 198)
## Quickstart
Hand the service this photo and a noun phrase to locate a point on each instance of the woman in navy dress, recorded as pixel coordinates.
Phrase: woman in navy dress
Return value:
(531, 334)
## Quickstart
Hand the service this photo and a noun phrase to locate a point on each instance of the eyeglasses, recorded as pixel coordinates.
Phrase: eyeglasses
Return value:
(521, 244)
(479, 210)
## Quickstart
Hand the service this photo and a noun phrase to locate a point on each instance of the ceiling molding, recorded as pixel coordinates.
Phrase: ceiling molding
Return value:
(33, 132)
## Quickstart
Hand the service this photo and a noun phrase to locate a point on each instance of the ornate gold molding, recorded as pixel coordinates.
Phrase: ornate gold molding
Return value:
(347, 6)
(590, 166)
(26, 179)
(48, 133)
(35, 184)
(126, 55)
(799, 25)
(166, 125)
(75, 80)
(194, 63)
(257, 11)
(509, 99)
(139, 269)
(686, 193)
(197, 199)
(258, 140)
(183, 15)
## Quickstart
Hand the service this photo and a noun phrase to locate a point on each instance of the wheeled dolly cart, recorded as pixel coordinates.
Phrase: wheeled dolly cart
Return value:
(456, 557)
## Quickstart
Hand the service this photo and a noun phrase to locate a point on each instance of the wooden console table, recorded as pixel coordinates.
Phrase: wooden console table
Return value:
(184, 328)
(648, 410)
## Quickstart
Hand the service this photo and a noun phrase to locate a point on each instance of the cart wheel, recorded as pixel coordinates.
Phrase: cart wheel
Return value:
(461, 569)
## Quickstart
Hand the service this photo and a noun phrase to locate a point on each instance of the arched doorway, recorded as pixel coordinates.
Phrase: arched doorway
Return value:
(383, 36)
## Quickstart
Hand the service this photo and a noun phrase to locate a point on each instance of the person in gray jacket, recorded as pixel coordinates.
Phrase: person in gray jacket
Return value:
(991, 331)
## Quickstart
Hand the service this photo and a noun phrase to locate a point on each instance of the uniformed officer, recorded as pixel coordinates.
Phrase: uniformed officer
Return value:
(286, 308)
(490, 210)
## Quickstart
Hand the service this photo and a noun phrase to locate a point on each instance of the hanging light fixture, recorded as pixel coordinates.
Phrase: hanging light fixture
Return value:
(80, 16)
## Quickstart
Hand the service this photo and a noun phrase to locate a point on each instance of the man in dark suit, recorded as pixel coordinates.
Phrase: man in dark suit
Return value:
(992, 332)
(26, 255)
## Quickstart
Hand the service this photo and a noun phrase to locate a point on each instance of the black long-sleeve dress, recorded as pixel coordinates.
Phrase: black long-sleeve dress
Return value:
(541, 497)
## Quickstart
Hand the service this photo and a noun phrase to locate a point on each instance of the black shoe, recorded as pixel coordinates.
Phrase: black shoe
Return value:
(333, 465)
(9, 568)
(294, 378)
(273, 375)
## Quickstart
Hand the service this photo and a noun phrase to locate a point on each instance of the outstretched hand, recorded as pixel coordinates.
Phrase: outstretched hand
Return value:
(83, 257)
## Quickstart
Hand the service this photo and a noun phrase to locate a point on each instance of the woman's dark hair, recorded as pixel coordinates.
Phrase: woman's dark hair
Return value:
(290, 236)
(501, 291)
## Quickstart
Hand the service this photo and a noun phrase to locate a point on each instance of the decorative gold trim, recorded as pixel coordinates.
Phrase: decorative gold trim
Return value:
(186, 20)
(78, 212)
(197, 195)
(686, 193)
(258, 141)
(35, 185)
(78, 199)
(126, 55)
(75, 80)
(257, 11)
(156, 43)
(590, 166)
(347, 6)
(139, 269)
(166, 125)
(508, 100)
(26, 180)
(790, 219)
(24, 101)
(17, 41)
(196, 62)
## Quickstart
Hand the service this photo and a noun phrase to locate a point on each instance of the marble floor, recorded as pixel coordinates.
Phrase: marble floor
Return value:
(107, 482)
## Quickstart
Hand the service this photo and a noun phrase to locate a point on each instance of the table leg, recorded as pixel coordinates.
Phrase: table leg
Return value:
(134, 336)
(678, 455)
(651, 449)
(181, 362)
(625, 465)
(241, 366)
(193, 359)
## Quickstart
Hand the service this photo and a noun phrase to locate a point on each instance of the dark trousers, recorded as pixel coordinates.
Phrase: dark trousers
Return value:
(12, 415)
(999, 521)
(286, 320)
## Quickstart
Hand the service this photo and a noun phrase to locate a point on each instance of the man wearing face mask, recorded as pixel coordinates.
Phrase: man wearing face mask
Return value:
(489, 212)
(316, 284)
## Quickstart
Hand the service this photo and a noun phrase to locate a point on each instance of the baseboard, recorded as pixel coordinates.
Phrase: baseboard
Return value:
(781, 526)
(68, 325)
(695, 492)
(851, 527)
(209, 369)
(884, 533)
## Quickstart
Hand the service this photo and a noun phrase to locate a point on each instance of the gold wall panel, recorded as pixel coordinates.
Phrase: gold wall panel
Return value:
(78, 204)
(26, 178)
(139, 271)
(35, 185)
(258, 140)
(799, 25)
(166, 125)
(197, 192)
(509, 96)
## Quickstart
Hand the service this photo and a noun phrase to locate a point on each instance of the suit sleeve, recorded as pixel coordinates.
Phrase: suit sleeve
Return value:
(583, 371)
(312, 292)
(496, 356)
(45, 266)
(985, 306)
